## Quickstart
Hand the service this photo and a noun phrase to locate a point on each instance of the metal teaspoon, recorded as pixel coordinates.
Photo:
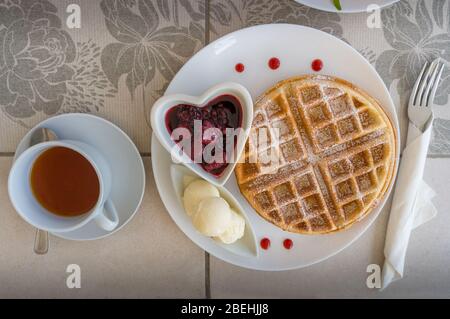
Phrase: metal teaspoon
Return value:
(41, 134)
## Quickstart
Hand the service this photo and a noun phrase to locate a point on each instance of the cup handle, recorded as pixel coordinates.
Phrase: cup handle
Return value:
(108, 219)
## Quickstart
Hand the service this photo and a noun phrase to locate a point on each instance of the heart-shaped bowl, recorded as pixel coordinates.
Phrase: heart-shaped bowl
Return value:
(229, 94)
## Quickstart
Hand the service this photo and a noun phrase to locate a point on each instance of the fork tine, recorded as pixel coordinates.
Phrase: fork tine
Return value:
(424, 83)
(435, 85)
(413, 97)
(434, 69)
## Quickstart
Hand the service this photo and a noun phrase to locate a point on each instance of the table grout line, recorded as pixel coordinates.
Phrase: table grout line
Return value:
(207, 256)
(435, 156)
(207, 17)
(207, 276)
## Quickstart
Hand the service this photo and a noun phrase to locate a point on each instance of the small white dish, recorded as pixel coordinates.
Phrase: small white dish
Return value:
(246, 246)
(128, 179)
(165, 103)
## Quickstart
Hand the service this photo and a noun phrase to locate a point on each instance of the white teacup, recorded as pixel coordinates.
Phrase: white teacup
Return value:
(104, 212)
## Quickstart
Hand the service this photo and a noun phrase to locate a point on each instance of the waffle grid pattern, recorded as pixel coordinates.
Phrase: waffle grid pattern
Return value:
(327, 165)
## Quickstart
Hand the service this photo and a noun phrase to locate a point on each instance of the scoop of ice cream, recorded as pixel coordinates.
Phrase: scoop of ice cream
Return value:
(212, 217)
(187, 179)
(195, 192)
(235, 229)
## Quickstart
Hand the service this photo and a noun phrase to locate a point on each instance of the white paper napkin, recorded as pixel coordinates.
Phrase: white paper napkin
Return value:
(411, 205)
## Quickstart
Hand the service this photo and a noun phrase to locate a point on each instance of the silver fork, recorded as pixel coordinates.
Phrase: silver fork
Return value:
(410, 172)
(423, 93)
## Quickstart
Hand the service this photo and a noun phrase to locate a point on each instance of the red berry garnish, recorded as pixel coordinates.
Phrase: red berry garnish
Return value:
(265, 243)
(287, 243)
(239, 67)
(317, 65)
(274, 63)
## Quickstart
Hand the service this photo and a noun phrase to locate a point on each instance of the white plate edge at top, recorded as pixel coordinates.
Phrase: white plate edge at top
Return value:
(345, 8)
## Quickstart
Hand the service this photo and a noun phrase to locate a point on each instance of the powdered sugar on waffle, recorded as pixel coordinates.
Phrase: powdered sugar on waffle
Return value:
(335, 131)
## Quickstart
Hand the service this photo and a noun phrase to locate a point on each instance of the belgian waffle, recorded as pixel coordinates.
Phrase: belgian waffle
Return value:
(328, 159)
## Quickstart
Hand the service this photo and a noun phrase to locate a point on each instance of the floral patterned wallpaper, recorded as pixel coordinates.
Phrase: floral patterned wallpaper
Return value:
(142, 47)
(44, 71)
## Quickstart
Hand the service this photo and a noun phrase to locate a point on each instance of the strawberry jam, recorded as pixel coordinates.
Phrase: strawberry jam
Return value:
(222, 113)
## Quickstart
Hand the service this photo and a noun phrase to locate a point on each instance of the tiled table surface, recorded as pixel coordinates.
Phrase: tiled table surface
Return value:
(111, 68)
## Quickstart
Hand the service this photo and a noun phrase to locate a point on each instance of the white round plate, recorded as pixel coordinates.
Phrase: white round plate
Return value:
(120, 152)
(254, 46)
(348, 6)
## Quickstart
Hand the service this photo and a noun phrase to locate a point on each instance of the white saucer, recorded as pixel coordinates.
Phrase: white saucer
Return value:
(253, 47)
(124, 158)
(348, 6)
